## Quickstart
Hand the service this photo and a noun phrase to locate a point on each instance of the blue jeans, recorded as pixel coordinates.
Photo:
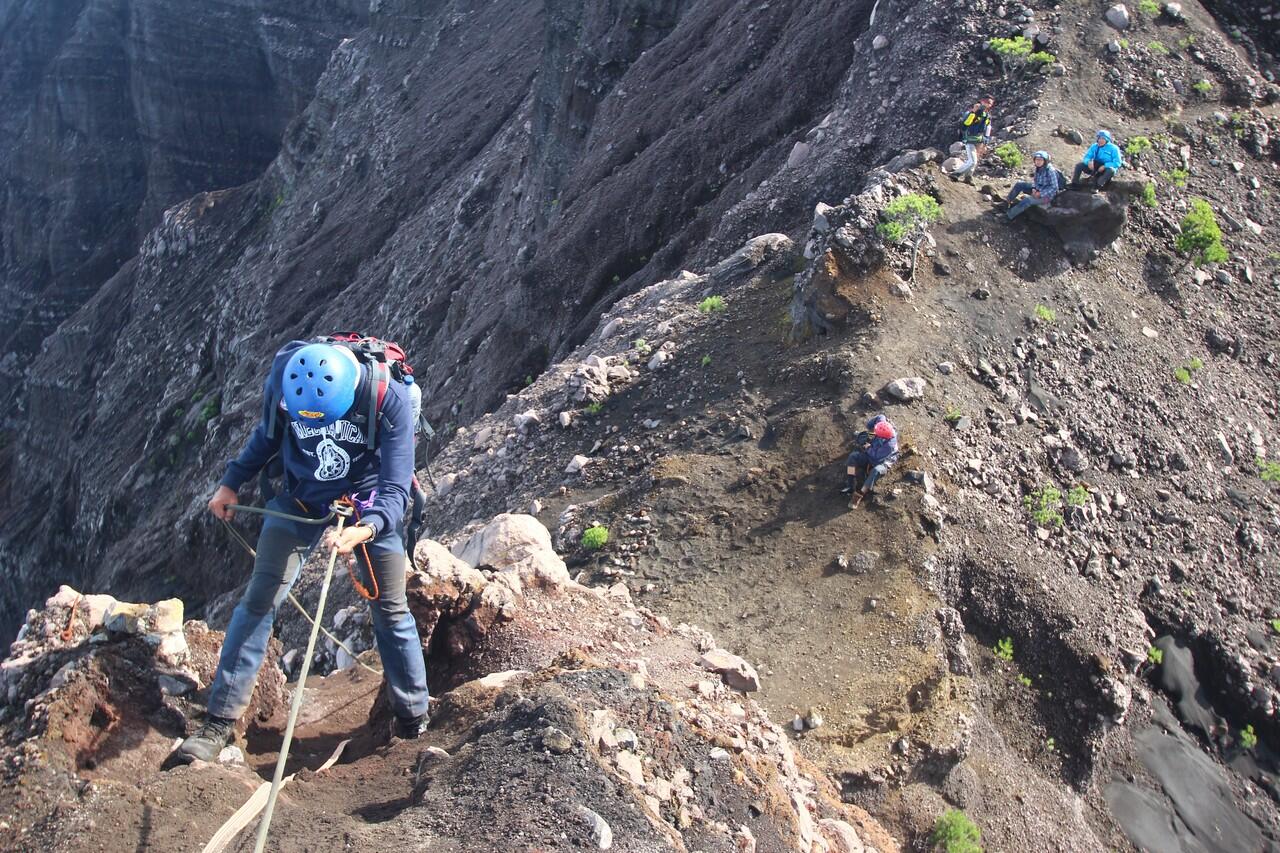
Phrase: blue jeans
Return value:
(860, 463)
(282, 548)
(1021, 207)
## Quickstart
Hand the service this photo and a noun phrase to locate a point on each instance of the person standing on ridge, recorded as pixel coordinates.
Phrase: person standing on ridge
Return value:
(871, 459)
(312, 419)
(975, 133)
(1039, 191)
(1100, 163)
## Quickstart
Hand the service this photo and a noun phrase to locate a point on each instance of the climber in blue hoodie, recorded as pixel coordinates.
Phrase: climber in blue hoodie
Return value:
(871, 460)
(314, 419)
(1100, 163)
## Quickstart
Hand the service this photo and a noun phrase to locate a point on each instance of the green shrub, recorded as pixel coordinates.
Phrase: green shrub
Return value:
(1177, 177)
(1248, 737)
(1155, 656)
(1018, 47)
(1202, 86)
(1024, 681)
(1187, 42)
(1042, 57)
(1149, 196)
(1124, 44)
(1045, 314)
(1009, 154)
(1045, 506)
(1182, 375)
(641, 346)
(1150, 8)
(594, 408)
(595, 537)
(1158, 48)
(952, 414)
(1201, 238)
(706, 361)
(1003, 649)
(1077, 496)
(1275, 625)
(907, 213)
(211, 409)
(1194, 363)
(1268, 471)
(1137, 146)
(711, 304)
(955, 833)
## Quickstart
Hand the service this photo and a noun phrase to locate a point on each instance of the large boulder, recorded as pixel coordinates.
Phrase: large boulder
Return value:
(1089, 222)
(517, 545)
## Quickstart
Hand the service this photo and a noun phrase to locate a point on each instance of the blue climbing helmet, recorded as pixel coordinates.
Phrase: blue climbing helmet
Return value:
(319, 384)
(1105, 134)
(1043, 155)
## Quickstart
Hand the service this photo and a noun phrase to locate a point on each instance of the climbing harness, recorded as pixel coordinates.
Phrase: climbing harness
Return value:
(342, 512)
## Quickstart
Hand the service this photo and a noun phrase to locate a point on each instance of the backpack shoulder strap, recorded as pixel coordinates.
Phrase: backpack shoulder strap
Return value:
(379, 375)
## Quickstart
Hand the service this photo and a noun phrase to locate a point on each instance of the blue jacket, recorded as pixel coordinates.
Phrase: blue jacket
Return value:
(1046, 182)
(323, 463)
(1108, 155)
(881, 451)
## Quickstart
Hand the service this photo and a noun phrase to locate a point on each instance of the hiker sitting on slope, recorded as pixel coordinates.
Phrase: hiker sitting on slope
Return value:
(975, 133)
(871, 459)
(1039, 191)
(1099, 164)
(313, 418)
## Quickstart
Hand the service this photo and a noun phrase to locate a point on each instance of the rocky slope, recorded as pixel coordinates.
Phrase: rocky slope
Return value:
(111, 112)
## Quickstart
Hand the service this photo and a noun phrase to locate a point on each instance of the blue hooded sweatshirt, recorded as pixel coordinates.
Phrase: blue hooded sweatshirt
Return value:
(1108, 155)
(881, 450)
(323, 463)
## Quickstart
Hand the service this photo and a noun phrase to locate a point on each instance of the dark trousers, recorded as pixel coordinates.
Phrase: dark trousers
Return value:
(1101, 175)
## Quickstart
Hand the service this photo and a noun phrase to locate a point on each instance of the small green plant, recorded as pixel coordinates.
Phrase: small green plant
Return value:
(641, 346)
(1275, 625)
(594, 408)
(1045, 506)
(1045, 314)
(955, 833)
(1182, 375)
(1148, 198)
(1202, 87)
(1268, 471)
(1009, 154)
(1177, 177)
(211, 409)
(1051, 745)
(906, 214)
(1077, 496)
(1003, 649)
(1158, 48)
(1248, 737)
(1150, 8)
(952, 415)
(1042, 58)
(1137, 146)
(1018, 47)
(528, 380)
(1201, 238)
(1186, 43)
(595, 537)
(1194, 363)
(1024, 680)
(1155, 656)
(711, 304)
(706, 361)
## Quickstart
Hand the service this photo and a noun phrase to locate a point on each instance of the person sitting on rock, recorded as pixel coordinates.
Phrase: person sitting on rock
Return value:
(975, 133)
(872, 457)
(1099, 164)
(1039, 191)
(313, 421)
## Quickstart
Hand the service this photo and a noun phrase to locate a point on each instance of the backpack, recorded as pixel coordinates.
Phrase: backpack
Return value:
(1062, 179)
(386, 363)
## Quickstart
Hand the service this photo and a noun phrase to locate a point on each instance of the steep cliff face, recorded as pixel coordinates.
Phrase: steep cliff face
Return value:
(475, 180)
(111, 111)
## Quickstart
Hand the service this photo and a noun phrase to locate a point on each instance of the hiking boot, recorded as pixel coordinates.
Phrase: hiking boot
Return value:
(847, 490)
(214, 734)
(409, 728)
(968, 178)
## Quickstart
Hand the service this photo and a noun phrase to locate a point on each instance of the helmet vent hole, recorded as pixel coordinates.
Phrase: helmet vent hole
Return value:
(328, 378)
(298, 393)
(319, 392)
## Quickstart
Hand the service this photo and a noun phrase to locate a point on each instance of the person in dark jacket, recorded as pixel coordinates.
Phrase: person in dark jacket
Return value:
(871, 460)
(1099, 164)
(975, 133)
(1039, 191)
(312, 421)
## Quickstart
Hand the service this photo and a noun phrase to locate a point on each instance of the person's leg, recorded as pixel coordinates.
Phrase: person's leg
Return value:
(1018, 189)
(1105, 174)
(280, 555)
(396, 632)
(852, 466)
(1078, 173)
(970, 160)
(1021, 207)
